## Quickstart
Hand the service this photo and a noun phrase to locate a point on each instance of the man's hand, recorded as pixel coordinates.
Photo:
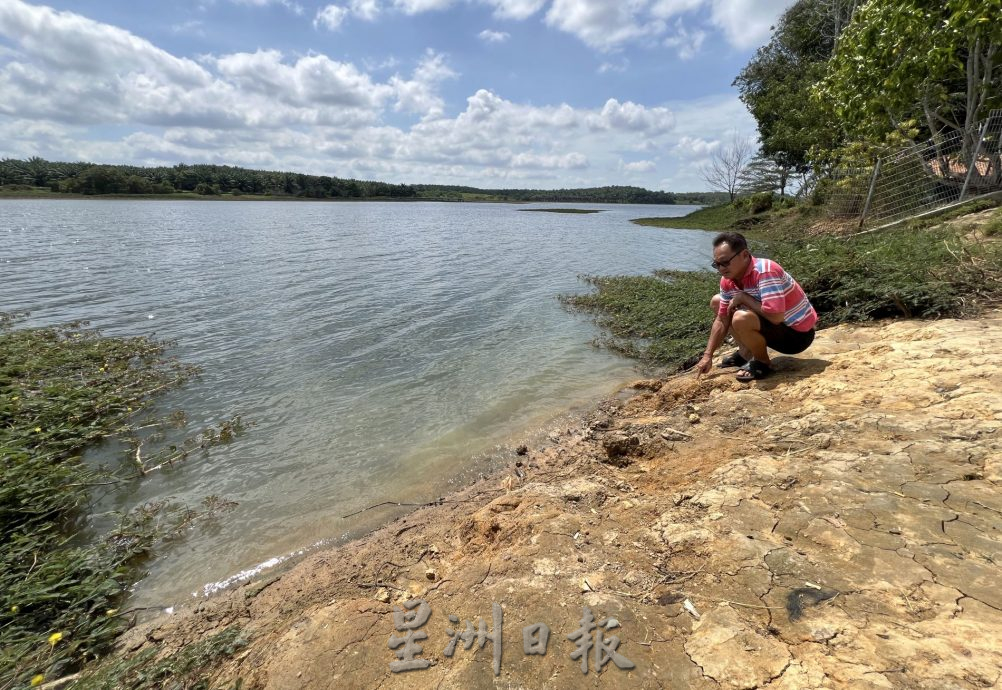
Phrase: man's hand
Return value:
(704, 365)
(742, 299)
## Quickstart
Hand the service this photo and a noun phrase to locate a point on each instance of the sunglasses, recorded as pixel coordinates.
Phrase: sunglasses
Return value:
(726, 262)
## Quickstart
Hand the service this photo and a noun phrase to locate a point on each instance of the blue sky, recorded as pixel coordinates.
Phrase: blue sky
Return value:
(489, 93)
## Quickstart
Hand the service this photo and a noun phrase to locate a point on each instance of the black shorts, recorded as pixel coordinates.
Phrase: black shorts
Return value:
(782, 338)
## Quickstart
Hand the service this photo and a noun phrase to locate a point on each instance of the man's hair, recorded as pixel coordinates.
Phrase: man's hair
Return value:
(735, 240)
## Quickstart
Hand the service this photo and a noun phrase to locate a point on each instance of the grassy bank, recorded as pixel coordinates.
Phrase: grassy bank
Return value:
(923, 269)
(63, 389)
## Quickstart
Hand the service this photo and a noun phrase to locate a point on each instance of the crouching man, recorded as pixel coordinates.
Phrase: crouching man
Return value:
(761, 306)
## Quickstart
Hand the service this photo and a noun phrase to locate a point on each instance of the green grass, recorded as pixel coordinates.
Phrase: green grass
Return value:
(63, 389)
(661, 320)
(993, 227)
(914, 270)
(713, 218)
(186, 669)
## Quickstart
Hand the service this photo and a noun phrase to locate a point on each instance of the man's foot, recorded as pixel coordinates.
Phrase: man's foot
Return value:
(753, 371)
(733, 360)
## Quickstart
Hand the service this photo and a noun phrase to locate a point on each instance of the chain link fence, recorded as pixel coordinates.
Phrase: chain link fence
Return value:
(920, 179)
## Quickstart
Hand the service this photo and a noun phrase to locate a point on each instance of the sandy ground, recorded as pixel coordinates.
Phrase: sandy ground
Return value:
(838, 525)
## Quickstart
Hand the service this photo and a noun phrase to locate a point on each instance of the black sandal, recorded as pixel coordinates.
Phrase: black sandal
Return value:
(754, 370)
(733, 360)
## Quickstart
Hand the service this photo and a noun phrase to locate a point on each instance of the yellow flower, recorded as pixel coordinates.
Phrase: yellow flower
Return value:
(111, 612)
(16, 398)
(54, 638)
(15, 609)
(38, 429)
(37, 680)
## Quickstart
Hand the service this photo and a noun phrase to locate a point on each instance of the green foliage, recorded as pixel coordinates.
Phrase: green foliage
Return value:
(62, 389)
(776, 83)
(914, 271)
(907, 271)
(759, 202)
(185, 669)
(661, 320)
(914, 59)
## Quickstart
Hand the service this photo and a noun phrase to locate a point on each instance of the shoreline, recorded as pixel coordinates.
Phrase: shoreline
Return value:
(741, 505)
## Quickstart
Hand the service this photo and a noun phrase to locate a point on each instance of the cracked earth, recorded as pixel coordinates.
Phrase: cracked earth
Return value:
(837, 525)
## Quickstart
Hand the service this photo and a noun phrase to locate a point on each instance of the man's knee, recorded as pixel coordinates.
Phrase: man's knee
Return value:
(715, 303)
(745, 320)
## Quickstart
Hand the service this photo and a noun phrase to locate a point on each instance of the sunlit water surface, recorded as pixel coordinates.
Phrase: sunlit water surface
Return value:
(382, 351)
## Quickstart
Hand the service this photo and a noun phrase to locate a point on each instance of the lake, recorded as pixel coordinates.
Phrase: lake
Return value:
(382, 351)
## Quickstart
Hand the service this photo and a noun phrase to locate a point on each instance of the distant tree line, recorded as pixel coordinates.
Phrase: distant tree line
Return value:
(89, 178)
(602, 195)
(211, 180)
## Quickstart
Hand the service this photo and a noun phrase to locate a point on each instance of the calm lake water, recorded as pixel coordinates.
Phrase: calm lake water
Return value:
(383, 351)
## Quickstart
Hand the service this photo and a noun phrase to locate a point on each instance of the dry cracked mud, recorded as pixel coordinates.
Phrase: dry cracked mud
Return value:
(837, 525)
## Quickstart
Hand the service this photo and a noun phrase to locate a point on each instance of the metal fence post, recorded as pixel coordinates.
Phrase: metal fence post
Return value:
(972, 166)
(869, 195)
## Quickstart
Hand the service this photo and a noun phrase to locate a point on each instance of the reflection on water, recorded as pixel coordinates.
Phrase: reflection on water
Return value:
(381, 349)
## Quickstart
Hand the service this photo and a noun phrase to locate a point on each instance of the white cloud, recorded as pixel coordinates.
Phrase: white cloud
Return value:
(368, 10)
(330, 17)
(686, 42)
(639, 166)
(633, 117)
(289, 4)
(617, 66)
(515, 9)
(489, 36)
(68, 41)
(666, 9)
(603, 24)
(419, 95)
(66, 78)
(418, 6)
(696, 147)
(746, 23)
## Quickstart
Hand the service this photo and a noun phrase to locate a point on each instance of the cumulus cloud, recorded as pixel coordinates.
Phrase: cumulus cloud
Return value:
(603, 24)
(419, 94)
(65, 78)
(330, 17)
(490, 36)
(696, 147)
(633, 117)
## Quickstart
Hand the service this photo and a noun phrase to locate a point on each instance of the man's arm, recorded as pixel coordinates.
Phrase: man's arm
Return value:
(743, 299)
(718, 332)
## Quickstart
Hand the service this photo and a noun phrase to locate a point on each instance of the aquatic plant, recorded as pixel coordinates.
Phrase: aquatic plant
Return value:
(63, 389)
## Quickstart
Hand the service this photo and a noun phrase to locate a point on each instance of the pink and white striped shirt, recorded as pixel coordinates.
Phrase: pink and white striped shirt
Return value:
(779, 293)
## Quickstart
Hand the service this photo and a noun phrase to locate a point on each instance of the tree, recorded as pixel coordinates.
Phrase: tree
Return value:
(724, 170)
(764, 175)
(777, 82)
(936, 61)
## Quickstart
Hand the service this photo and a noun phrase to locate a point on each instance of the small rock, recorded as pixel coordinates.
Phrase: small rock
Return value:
(694, 418)
(383, 596)
(431, 574)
